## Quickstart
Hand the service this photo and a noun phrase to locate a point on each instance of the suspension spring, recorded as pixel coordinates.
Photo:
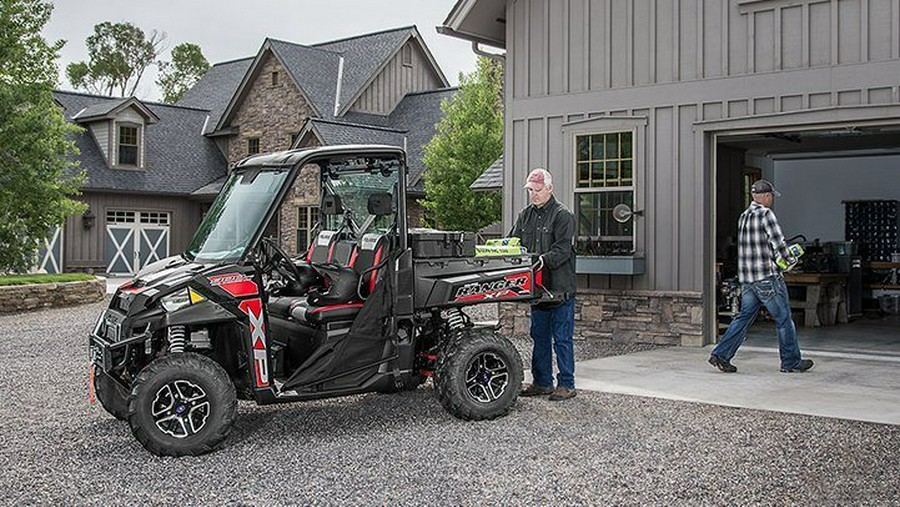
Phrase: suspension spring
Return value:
(177, 339)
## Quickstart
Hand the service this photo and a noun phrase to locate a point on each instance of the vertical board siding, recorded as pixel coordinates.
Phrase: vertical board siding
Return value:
(566, 61)
(86, 247)
(395, 81)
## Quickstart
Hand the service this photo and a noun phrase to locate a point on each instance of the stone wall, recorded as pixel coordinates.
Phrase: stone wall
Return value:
(22, 298)
(654, 317)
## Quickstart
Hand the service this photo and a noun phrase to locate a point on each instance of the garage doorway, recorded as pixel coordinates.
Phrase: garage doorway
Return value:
(840, 196)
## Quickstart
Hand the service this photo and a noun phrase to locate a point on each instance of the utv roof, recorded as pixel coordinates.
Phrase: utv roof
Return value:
(290, 158)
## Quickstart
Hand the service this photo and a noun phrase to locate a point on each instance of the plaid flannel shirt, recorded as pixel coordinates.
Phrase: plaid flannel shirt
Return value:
(760, 240)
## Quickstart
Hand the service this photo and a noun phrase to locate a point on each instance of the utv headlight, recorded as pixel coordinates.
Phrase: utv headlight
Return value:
(179, 299)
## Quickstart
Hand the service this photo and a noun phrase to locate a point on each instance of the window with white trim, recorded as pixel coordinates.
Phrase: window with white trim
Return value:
(307, 222)
(128, 145)
(604, 179)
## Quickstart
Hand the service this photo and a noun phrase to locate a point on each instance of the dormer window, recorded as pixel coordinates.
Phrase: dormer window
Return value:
(129, 147)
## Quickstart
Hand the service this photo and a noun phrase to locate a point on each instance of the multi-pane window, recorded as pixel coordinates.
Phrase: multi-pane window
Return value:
(128, 145)
(253, 146)
(604, 179)
(120, 217)
(307, 221)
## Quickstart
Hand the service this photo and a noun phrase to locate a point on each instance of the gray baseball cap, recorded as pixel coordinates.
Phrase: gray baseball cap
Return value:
(764, 187)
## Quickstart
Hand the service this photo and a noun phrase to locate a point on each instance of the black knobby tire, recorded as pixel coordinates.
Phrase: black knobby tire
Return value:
(113, 397)
(182, 404)
(479, 375)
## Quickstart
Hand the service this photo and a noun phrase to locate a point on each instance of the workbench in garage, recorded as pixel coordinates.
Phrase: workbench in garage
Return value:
(825, 301)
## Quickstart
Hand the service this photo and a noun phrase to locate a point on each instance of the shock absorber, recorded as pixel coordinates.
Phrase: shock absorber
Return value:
(456, 321)
(177, 339)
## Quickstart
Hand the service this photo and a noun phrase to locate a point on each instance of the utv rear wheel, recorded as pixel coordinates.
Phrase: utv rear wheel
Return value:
(479, 375)
(112, 396)
(182, 404)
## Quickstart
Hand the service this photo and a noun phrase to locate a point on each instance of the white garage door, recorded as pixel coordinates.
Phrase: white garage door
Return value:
(135, 239)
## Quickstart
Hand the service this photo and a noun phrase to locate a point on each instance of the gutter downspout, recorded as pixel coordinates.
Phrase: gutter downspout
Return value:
(493, 56)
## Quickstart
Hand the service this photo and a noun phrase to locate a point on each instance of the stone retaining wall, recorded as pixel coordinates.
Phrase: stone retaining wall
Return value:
(23, 298)
(656, 317)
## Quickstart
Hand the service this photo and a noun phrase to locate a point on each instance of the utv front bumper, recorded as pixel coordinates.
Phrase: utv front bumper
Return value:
(107, 347)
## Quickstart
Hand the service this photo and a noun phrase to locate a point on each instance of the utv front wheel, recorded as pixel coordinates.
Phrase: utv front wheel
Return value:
(479, 376)
(183, 404)
(111, 395)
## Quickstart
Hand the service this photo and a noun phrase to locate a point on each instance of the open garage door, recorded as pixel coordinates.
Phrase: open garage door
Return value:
(841, 189)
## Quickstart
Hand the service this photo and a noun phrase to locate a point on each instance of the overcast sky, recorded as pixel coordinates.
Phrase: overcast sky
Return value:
(232, 29)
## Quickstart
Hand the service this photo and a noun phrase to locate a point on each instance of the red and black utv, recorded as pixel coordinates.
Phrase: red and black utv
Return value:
(371, 306)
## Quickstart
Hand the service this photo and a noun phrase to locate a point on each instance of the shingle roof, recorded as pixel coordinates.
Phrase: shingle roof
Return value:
(214, 90)
(101, 109)
(363, 56)
(337, 132)
(491, 178)
(419, 113)
(314, 70)
(178, 158)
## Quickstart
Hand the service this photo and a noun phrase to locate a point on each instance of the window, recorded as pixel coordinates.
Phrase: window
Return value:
(128, 145)
(120, 217)
(252, 146)
(307, 222)
(275, 79)
(406, 55)
(604, 179)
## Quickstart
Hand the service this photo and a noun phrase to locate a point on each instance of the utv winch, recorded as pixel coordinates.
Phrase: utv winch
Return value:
(371, 306)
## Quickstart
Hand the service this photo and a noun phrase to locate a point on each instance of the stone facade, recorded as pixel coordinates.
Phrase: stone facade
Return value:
(22, 298)
(653, 317)
(274, 114)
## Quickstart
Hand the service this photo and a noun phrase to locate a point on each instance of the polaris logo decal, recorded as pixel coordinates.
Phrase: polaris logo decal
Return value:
(253, 309)
(236, 284)
(511, 286)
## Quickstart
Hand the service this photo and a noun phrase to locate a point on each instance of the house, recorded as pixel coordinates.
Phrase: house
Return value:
(382, 87)
(654, 116)
(153, 169)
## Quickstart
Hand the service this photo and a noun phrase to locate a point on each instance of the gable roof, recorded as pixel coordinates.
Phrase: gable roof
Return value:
(366, 55)
(108, 110)
(178, 159)
(214, 90)
(331, 132)
(491, 178)
(314, 69)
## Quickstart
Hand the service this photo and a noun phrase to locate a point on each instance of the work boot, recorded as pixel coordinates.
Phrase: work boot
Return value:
(535, 390)
(723, 365)
(562, 393)
(802, 366)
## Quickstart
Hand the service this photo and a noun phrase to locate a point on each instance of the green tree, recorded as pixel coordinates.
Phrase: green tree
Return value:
(118, 55)
(37, 172)
(469, 138)
(187, 66)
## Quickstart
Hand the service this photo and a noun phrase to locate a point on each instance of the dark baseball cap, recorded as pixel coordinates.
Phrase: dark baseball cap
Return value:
(764, 187)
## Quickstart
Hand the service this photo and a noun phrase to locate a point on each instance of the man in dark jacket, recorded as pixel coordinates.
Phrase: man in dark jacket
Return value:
(547, 228)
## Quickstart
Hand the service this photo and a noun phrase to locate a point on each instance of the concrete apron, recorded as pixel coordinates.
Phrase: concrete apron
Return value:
(853, 386)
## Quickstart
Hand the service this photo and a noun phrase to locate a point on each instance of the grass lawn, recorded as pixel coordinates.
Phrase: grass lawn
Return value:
(28, 279)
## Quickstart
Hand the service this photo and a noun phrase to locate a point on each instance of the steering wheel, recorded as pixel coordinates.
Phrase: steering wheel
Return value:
(275, 258)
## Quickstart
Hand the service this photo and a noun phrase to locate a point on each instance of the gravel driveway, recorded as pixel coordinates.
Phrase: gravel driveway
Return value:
(404, 449)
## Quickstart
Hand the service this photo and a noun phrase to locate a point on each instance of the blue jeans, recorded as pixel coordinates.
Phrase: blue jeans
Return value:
(771, 293)
(551, 330)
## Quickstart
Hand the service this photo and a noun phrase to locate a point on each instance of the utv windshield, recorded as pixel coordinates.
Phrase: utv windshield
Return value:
(236, 215)
(354, 188)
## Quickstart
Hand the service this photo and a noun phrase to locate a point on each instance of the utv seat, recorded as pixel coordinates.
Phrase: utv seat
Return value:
(372, 249)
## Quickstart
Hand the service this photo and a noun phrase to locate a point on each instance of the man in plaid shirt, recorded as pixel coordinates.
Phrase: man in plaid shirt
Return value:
(760, 242)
